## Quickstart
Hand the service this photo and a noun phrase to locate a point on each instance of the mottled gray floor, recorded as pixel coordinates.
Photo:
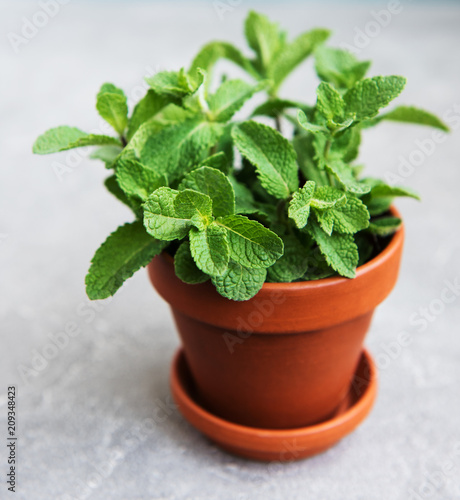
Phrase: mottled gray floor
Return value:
(95, 421)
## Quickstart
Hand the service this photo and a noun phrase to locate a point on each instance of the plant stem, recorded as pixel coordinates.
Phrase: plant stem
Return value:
(327, 147)
(278, 123)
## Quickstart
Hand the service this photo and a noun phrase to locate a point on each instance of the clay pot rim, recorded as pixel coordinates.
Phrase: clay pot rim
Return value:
(368, 267)
(347, 420)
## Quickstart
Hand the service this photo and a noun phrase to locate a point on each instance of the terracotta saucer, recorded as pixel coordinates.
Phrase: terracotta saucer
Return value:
(277, 445)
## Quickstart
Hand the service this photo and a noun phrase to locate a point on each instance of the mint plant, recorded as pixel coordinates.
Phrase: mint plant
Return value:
(235, 201)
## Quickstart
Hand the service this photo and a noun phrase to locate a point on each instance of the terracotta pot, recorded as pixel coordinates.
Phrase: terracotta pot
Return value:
(286, 358)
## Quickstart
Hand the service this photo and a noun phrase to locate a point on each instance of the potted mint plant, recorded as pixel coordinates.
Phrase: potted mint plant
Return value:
(272, 248)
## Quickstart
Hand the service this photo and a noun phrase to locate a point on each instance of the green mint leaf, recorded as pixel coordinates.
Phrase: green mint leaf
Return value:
(382, 190)
(339, 67)
(275, 107)
(381, 196)
(239, 282)
(63, 138)
(327, 197)
(299, 206)
(410, 114)
(346, 145)
(124, 252)
(212, 52)
(251, 244)
(216, 185)
(264, 38)
(176, 148)
(329, 102)
(210, 249)
(325, 220)
(160, 217)
(112, 106)
(293, 264)
(195, 206)
(344, 175)
(349, 218)
(311, 127)
(244, 199)
(385, 226)
(107, 154)
(185, 267)
(292, 54)
(271, 154)
(230, 98)
(114, 188)
(149, 106)
(366, 97)
(136, 179)
(340, 250)
(173, 83)
(218, 161)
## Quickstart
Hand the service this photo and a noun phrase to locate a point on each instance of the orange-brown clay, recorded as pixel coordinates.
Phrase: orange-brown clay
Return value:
(285, 358)
(277, 445)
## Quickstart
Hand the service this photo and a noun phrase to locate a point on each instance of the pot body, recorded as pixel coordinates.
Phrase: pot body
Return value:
(285, 358)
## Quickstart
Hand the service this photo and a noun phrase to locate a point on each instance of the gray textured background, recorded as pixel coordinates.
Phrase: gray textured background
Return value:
(95, 420)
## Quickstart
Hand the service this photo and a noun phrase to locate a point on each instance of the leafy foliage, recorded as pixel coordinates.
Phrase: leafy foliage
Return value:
(237, 202)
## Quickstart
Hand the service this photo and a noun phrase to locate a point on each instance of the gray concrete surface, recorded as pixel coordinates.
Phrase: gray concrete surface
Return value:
(95, 421)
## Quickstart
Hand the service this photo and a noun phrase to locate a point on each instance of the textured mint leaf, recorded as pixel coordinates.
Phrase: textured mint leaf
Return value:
(381, 196)
(299, 206)
(410, 114)
(173, 83)
(185, 267)
(239, 282)
(218, 161)
(339, 67)
(305, 149)
(344, 175)
(326, 197)
(382, 190)
(349, 218)
(346, 145)
(292, 54)
(275, 107)
(311, 127)
(366, 97)
(107, 154)
(385, 226)
(293, 264)
(379, 206)
(325, 220)
(160, 217)
(251, 244)
(136, 179)
(230, 98)
(212, 52)
(112, 106)
(244, 199)
(216, 185)
(329, 101)
(264, 38)
(271, 154)
(340, 250)
(176, 148)
(114, 188)
(124, 252)
(151, 104)
(195, 206)
(210, 249)
(63, 138)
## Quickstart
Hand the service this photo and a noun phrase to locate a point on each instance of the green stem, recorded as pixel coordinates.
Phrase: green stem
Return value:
(278, 123)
